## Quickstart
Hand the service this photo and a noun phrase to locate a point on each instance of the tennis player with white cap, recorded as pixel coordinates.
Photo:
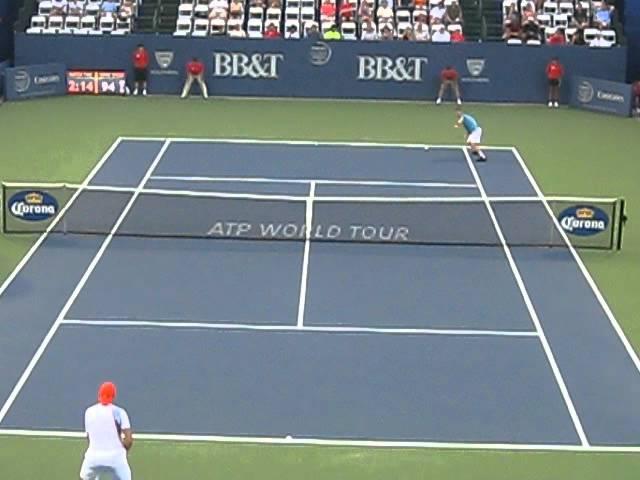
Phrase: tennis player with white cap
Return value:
(109, 433)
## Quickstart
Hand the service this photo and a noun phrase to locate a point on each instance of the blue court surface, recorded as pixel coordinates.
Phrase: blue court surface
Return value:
(327, 342)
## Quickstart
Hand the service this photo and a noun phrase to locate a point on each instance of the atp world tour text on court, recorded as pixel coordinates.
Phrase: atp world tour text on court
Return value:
(352, 231)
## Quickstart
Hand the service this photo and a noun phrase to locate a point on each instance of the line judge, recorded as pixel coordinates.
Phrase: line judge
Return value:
(109, 434)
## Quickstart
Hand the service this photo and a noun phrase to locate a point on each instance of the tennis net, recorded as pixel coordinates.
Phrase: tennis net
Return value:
(150, 212)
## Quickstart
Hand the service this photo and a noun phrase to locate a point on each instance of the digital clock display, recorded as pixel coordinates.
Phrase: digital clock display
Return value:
(91, 82)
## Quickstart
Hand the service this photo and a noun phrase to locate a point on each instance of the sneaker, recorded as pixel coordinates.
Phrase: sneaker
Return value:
(481, 159)
(556, 104)
(550, 104)
(438, 101)
(135, 91)
(144, 92)
(459, 101)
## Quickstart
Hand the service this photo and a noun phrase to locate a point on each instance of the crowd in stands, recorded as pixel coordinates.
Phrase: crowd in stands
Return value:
(84, 17)
(582, 22)
(422, 20)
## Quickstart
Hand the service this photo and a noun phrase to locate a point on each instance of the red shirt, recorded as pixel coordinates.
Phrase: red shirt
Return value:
(556, 39)
(140, 58)
(195, 67)
(449, 74)
(457, 36)
(271, 33)
(555, 70)
(328, 10)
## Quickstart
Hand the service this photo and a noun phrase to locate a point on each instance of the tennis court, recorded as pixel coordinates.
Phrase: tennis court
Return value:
(361, 340)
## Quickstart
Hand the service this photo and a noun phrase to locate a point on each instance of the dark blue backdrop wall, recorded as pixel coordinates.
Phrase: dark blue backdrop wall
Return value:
(632, 31)
(8, 12)
(398, 70)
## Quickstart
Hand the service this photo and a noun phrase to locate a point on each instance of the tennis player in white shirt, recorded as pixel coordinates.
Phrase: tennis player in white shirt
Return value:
(109, 434)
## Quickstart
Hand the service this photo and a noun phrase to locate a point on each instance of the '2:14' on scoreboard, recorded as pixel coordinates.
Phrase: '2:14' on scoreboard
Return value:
(93, 82)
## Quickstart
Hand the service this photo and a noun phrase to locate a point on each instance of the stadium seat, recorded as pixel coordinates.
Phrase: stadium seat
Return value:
(569, 32)
(292, 14)
(561, 20)
(545, 20)
(71, 24)
(44, 8)
(590, 34)
(256, 13)
(200, 27)
(418, 12)
(534, 43)
(308, 14)
(566, 7)
(201, 11)
(185, 10)
(254, 28)
(610, 36)
(550, 8)
(307, 25)
(92, 9)
(349, 30)
(293, 4)
(38, 24)
(455, 27)
(308, 4)
(123, 26)
(55, 25)
(325, 27)
(234, 27)
(288, 23)
(218, 27)
(274, 15)
(549, 31)
(514, 41)
(403, 16)
(87, 25)
(402, 26)
(106, 24)
(183, 27)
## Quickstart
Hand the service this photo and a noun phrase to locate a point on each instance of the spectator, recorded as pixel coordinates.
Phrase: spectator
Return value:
(384, 10)
(386, 33)
(528, 13)
(578, 37)
(364, 12)
(441, 35)
(636, 96)
(368, 31)
(126, 10)
(292, 32)
(457, 36)
(333, 33)
(420, 5)
(271, 31)
(436, 13)
(216, 10)
(328, 10)
(600, 42)
(110, 6)
(422, 31)
(602, 15)
(512, 28)
(58, 7)
(580, 18)
(555, 72)
(76, 7)
(421, 15)
(311, 31)
(256, 3)
(449, 80)
(195, 71)
(453, 14)
(347, 10)
(275, 4)
(236, 9)
(140, 65)
(530, 29)
(558, 37)
(408, 34)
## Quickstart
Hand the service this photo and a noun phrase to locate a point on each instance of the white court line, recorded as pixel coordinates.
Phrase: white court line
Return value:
(318, 181)
(530, 307)
(53, 224)
(54, 328)
(328, 442)
(423, 146)
(296, 328)
(585, 272)
(308, 223)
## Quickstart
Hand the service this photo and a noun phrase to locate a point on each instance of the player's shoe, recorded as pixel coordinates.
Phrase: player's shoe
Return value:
(556, 104)
(438, 101)
(144, 92)
(459, 101)
(550, 104)
(135, 91)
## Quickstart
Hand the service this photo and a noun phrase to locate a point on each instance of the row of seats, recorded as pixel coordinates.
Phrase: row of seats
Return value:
(257, 26)
(86, 25)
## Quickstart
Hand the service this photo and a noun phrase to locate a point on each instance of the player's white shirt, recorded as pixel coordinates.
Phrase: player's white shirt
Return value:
(100, 426)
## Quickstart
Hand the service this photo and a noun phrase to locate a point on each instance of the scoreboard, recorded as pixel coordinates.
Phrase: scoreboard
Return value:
(94, 82)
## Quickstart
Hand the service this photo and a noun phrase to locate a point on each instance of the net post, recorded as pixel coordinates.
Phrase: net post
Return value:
(622, 219)
(4, 208)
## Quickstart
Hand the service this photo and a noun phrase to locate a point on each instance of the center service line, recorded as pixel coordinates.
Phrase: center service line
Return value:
(305, 254)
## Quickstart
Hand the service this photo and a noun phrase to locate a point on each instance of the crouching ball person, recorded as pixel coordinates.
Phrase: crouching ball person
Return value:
(109, 434)
(195, 71)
